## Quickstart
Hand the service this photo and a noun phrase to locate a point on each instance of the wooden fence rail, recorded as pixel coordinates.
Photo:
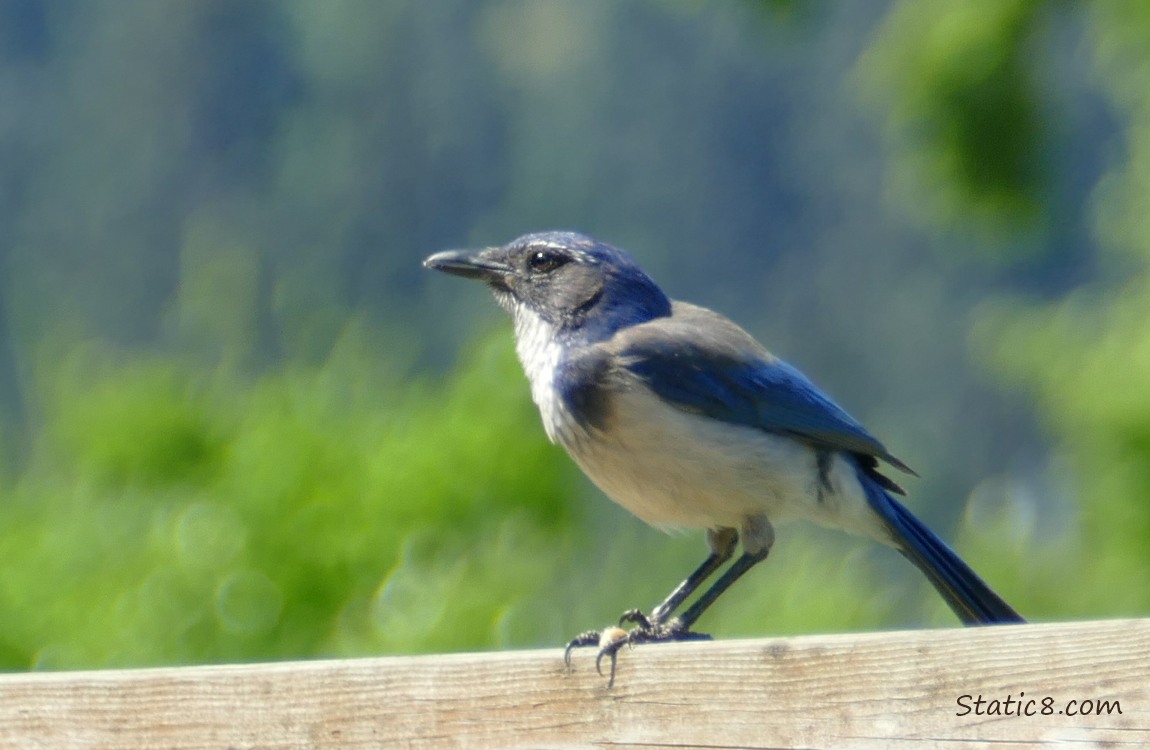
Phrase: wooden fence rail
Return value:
(1084, 685)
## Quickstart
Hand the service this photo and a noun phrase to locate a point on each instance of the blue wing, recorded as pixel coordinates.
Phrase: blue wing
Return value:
(701, 362)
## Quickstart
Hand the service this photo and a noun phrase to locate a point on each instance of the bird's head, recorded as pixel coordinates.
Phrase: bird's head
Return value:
(577, 285)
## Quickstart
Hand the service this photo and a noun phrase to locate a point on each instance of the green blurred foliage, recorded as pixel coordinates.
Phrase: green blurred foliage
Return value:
(234, 419)
(1083, 358)
(183, 514)
(957, 84)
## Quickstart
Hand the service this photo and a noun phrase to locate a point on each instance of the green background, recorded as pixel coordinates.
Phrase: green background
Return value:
(238, 421)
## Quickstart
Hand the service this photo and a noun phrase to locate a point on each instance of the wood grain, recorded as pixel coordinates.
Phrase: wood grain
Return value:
(896, 689)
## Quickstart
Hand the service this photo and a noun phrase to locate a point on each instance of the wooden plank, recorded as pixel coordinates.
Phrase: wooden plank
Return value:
(860, 690)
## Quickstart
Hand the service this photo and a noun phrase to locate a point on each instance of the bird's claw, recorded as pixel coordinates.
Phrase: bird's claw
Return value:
(637, 617)
(611, 640)
(586, 638)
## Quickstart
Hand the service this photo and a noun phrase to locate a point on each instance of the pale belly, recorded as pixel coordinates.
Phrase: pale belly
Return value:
(673, 468)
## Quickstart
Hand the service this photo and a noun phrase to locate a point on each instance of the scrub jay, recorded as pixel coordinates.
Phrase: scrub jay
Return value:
(685, 420)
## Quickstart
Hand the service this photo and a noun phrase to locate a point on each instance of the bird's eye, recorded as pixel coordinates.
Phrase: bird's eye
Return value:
(545, 261)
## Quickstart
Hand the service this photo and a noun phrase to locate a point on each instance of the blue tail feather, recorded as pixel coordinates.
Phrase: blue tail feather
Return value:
(968, 595)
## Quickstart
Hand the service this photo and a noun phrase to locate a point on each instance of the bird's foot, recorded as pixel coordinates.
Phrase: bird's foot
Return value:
(611, 640)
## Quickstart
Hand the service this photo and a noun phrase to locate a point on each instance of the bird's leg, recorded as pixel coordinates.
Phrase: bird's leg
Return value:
(745, 562)
(679, 628)
(722, 542)
(758, 537)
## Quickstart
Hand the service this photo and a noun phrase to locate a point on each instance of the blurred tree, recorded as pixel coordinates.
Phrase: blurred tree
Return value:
(1078, 354)
(958, 84)
(1086, 357)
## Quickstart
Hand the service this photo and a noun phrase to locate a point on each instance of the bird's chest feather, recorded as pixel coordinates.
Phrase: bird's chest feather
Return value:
(674, 468)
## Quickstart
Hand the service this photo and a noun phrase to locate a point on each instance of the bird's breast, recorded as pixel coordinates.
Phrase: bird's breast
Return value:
(674, 468)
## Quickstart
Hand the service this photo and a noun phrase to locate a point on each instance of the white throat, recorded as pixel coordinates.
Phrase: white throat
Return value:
(540, 352)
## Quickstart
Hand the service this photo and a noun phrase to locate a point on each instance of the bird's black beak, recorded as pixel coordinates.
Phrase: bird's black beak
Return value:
(470, 265)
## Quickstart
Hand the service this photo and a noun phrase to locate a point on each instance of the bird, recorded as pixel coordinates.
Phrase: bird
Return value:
(680, 416)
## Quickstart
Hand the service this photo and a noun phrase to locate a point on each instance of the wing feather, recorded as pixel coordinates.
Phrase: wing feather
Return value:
(701, 362)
